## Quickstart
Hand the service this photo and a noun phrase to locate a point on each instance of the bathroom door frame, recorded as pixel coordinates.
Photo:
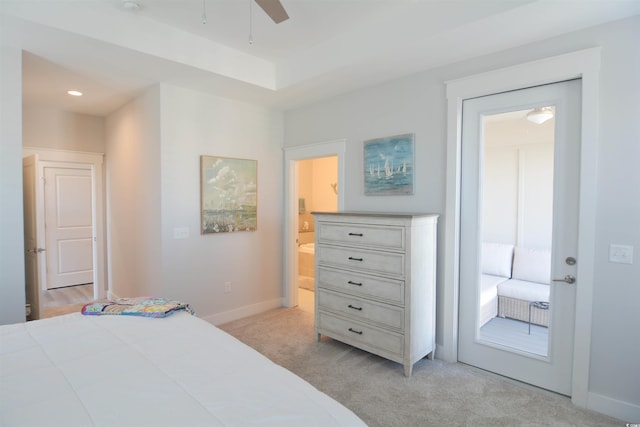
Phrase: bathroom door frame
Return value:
(291, 157)
(584, 64)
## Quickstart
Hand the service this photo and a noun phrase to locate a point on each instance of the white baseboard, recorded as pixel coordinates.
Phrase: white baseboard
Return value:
(624, 411)
(239, 313)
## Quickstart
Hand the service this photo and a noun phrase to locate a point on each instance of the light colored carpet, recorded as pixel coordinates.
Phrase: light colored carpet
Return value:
(437, 394)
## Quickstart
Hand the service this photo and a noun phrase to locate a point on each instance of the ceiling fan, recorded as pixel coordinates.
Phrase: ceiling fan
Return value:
(274, 9)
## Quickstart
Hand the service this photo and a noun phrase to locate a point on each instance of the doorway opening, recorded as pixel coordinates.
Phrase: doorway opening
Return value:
(317, 191)
(64, 231)
(293, 156)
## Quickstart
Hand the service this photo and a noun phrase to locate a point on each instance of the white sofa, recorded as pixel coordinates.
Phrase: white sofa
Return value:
(511, 278)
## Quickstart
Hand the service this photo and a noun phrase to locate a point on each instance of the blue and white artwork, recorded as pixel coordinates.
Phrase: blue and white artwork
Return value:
(388, 166)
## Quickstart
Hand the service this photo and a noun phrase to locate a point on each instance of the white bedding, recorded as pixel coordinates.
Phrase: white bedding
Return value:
(77, 370)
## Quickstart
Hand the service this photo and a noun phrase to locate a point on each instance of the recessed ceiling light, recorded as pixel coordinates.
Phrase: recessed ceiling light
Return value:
(74, 93)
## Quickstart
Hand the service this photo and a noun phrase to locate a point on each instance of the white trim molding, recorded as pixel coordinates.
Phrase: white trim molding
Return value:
(584, 64)
(291, 156)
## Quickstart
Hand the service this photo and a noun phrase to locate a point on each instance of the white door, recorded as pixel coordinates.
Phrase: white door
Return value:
(537, 212)
(34, 255)
(69, 228)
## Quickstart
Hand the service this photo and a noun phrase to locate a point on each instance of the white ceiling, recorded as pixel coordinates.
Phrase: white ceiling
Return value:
(327, 47)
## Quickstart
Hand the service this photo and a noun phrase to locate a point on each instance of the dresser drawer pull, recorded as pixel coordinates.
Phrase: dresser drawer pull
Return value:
(355, 332)
(355, 259)
(354, 307)
(356, 234)
(351, 282)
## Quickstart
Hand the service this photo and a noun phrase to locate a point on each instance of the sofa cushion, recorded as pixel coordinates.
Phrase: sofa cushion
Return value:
(532, 265)
(527, 291)
(496, 259)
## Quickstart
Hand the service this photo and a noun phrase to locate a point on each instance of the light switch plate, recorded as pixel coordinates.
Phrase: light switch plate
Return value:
(622, 254)
(181, 232)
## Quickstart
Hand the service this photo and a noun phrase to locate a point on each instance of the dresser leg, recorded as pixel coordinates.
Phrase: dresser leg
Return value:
(407, 370)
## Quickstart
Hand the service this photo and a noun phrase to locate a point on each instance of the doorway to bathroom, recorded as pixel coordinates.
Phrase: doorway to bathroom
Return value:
(294, 220)
(317, 192)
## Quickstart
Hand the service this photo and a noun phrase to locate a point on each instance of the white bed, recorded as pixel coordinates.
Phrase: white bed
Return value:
(77, 370)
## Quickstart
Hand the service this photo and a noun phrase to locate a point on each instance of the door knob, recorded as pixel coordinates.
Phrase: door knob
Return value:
(568, 279)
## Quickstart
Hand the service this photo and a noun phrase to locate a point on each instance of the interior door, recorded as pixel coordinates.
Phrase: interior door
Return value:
(69, 228)
(551, 366)
(34, 255)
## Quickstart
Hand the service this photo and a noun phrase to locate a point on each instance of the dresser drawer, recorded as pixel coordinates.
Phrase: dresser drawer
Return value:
(387, 290)
(388, 237)
(362, 309)
(361, 335)
(361, 259)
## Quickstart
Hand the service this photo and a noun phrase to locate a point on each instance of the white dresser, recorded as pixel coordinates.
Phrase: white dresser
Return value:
(375, 282)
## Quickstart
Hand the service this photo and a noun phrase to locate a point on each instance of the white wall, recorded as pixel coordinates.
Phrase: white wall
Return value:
(12, 289)
(324, 174)
(616, 324)
(315, 177)
(518, 183)
(417, 104)
(154, 149)
(500, 196)
(133, 149)
(63, 130)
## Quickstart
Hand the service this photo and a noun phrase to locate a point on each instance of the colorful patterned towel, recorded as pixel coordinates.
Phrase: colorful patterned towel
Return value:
(140, 306)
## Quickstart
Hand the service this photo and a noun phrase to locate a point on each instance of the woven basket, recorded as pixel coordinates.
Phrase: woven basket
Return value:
(519, 309)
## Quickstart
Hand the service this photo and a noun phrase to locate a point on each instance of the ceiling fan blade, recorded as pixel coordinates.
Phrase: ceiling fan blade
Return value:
(274, 9)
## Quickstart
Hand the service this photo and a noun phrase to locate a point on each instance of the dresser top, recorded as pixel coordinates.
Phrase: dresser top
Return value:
(378, 214)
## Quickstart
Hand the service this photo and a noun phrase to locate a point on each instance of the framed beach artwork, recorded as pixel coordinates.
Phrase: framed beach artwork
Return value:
(389, 166)
(229, 194)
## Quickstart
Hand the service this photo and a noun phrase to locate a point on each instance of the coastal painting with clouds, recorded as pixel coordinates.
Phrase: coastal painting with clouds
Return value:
(229, 196)
(389, 166)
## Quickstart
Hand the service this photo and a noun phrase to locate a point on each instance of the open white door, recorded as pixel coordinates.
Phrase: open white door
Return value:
(34, 256)
(549, 366)
(69, 226)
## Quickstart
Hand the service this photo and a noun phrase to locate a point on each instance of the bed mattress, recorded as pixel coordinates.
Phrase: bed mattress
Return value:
(77, 370)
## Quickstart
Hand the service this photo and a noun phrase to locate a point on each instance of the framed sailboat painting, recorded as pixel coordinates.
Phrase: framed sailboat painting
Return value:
(389, 166)
(229, 194)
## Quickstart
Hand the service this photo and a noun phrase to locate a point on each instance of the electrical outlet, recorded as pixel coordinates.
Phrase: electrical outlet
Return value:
(622, 254)
(227, 287)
